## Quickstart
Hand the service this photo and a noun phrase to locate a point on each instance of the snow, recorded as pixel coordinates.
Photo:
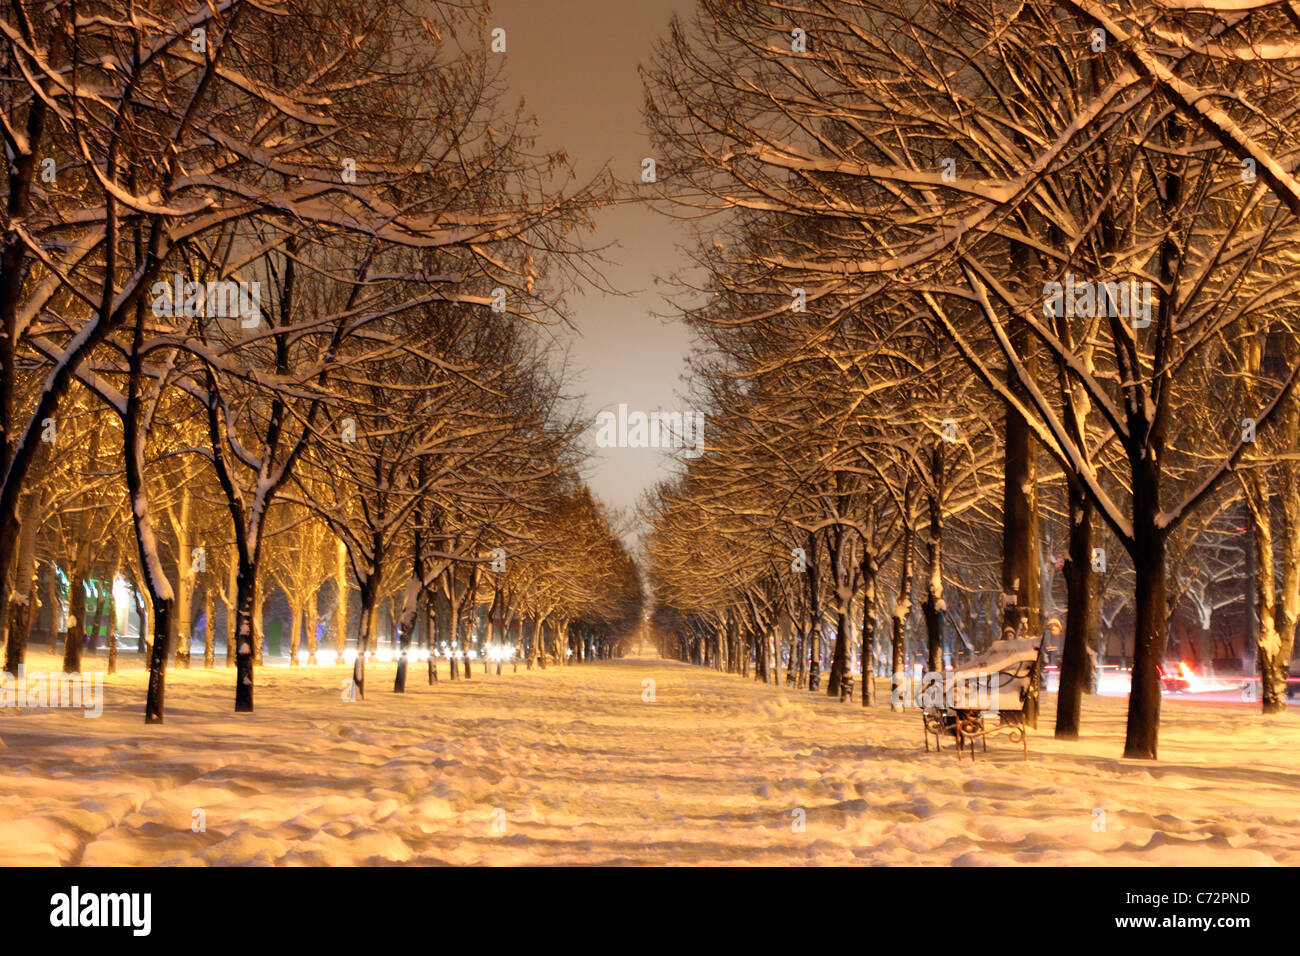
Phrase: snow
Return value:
(581, 770)
(149, 549)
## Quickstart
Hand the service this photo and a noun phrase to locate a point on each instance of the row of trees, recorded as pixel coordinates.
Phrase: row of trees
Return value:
(997, 282)
(271, 280)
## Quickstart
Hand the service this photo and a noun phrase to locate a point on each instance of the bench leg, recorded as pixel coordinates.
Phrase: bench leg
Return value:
(978, 727)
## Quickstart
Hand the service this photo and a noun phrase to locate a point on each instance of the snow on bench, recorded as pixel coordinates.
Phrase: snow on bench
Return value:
(995, 683)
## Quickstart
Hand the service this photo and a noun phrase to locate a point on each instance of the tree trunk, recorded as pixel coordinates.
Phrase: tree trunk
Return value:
(1076, 659)
(497, 624)
(870, 571)
(1019, 529)
(745, 648)
(97, 624)
(902, 605)
(1267, 643)
(144, 609)
(1275, 657)
(245, 658)
(815, 614)
(403, 647)
(20, 601)
(467, 645)
(406, 625)
(232, 613)
(157, 587)
(185, 573)
(76, 636)
(535, 641)
(259, 620)
(365, 632)
(453, 632)
(341, 604)
(154, 702)
(432, 643)
(797, 646)
(52, 598)
(843, 595)
(1020, 567)
(183, 623)
(209, 627)
(932, 608)
(1150, 622)
(296, 614)
(112, 631)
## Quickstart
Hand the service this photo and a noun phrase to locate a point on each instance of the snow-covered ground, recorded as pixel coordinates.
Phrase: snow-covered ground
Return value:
(573, 766)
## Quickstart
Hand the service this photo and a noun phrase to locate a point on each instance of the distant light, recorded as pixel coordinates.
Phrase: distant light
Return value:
(120, 590)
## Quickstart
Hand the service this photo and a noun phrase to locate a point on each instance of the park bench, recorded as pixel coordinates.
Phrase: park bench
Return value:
(985, 696)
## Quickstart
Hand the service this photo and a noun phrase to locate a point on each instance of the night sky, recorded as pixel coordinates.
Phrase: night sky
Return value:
(575, 64)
